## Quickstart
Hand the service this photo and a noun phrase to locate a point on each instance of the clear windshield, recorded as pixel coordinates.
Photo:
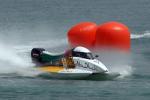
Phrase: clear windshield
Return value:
(83, 55)
(89, 56)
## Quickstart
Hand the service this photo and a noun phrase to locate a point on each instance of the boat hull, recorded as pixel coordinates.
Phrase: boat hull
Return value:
(57, 72)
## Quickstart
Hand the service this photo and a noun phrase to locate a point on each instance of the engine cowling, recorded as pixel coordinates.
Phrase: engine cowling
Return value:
(36, 54)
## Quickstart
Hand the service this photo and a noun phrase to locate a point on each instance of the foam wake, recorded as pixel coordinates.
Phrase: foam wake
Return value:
(16, 58)
(11, 62)
(124, 70)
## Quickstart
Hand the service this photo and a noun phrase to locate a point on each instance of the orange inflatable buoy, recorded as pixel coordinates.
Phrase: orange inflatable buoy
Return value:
(82, 34)
(112, 35)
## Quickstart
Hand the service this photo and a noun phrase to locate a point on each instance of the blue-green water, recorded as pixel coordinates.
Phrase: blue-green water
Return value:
(25, 24)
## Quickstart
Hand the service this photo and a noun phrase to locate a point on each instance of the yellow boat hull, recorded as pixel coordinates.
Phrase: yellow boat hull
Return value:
(51, 69)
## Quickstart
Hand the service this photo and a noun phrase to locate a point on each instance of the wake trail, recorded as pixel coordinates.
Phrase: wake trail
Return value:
(138, 36)
(16, 58)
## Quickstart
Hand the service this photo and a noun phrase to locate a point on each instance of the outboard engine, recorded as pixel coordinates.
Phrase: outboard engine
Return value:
(36, 54)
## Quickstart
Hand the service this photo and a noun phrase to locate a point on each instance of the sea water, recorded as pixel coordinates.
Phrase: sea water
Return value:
(25, 24)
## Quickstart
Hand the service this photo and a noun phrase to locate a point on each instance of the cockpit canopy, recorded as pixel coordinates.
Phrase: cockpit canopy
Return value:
(82, 53)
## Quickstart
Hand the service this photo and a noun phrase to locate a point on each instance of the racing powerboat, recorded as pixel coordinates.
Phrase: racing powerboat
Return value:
(77, 63)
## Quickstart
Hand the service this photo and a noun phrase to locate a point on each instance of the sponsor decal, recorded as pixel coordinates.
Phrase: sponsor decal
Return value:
(85, 65)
